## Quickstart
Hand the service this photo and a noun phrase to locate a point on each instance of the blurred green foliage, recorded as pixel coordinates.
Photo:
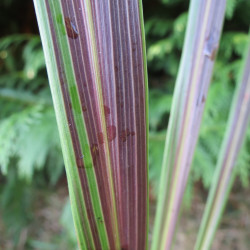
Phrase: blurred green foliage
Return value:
(27, 129)
(30, 155)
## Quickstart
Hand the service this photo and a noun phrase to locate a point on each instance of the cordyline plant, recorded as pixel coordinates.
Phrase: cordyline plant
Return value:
(200, 47)
(225, 174)
(95, 57)
(96, 63)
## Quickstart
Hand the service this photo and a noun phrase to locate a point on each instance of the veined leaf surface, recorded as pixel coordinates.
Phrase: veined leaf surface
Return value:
(224, 174)
(200, 47)
(95, 57)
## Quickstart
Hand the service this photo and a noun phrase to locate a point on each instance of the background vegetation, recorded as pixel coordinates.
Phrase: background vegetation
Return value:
(30, 157)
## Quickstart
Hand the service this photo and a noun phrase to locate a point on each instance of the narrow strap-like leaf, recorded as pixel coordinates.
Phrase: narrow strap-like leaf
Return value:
(200, 47)
(95, 56)
(224, 174)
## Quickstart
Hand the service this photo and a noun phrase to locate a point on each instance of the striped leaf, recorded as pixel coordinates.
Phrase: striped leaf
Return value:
(95, 57)
(199, 51)
(224, 173)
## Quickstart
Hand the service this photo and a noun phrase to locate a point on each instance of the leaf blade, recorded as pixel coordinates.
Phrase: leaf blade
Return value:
(201, 42)
(224, 174)
(104, 115)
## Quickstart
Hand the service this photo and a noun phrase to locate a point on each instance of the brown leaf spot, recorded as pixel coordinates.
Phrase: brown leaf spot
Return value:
(106, 110)
(79, 162)
(70, 28)
(94, 152)
(124, 134)
(100, 138)
(84, 108)
(94, 149)
(203, 99)
(111, 132)
(124, 247)
(70, 104)
(213, 54)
